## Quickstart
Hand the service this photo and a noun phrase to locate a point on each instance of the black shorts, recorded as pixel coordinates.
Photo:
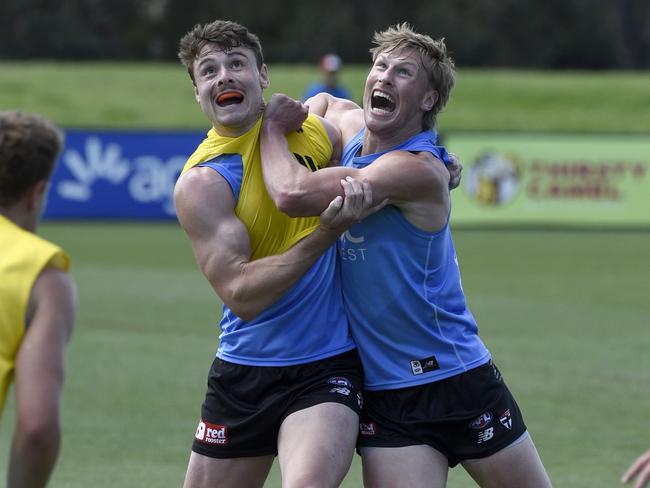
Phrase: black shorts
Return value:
(468, 416)
(245, 405)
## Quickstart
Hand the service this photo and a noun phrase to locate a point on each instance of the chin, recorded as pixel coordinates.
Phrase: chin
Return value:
(233, 119)
(377, 124)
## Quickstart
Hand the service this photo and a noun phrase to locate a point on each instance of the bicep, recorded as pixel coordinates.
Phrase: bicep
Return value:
(205, 208)
(401, 176)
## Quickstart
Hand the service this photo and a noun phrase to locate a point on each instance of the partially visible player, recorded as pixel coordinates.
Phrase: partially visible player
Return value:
(639, 472)
(37, 298)
(330, 66)
(433, 398)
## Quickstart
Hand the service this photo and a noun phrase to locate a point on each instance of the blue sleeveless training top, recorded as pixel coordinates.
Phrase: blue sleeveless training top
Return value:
(403, 293)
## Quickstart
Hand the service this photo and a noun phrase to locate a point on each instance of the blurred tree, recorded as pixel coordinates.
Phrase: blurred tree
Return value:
(562, 34)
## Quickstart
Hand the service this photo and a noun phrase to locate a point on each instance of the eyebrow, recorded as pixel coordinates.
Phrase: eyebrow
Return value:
(408, 62)
(230, 53)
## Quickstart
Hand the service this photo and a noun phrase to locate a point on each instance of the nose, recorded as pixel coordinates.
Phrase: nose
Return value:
(223, 76)
(386, 76)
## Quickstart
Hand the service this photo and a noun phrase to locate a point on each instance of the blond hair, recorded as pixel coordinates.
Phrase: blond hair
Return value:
(437, 63)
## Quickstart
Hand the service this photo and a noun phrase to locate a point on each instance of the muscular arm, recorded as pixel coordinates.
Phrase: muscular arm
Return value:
(417, 183)
(205, 208)
(409, 181)
(39, 379)
(345, 115)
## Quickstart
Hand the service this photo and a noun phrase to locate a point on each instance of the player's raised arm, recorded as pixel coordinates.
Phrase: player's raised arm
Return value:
(405, 179)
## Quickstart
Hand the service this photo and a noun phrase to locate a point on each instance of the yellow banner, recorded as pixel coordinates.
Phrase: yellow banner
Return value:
(552, 179)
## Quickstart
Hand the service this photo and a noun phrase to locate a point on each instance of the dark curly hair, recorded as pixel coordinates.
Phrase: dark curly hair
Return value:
(29, 147)
(223, 33)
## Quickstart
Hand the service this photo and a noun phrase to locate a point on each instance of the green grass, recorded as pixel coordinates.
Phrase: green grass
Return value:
(151, 95)
(564, 314)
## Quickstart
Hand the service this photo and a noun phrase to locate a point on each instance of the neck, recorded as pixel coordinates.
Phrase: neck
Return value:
(238, 130)
(19, 217)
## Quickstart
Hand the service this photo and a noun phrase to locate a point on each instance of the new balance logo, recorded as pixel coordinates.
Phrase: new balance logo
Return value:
(485, 435)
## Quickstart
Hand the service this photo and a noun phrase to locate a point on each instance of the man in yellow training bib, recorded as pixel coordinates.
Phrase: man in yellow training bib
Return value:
(37, 297)
(286, 377)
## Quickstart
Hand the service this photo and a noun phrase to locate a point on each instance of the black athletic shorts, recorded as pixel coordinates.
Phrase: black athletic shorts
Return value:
(245, 405)
(468, 416)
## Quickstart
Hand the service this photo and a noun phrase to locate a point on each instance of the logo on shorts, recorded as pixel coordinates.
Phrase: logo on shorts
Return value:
(360, 400)
(497, 373)
(368, 429)
(340, 381)
(506, 419)
(485, 435)
(481, 421)
(419, 366)
(340, 390)
(211, 433)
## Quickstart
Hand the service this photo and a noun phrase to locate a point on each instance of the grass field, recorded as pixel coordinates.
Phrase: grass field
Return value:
(160, 96)
(564, 313)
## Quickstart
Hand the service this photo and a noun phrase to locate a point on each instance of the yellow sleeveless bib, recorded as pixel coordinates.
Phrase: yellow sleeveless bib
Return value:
(271, 231)
(23, 255)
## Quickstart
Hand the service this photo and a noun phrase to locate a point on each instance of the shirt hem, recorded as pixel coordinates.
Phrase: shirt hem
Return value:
(283, 362)
(431, 378)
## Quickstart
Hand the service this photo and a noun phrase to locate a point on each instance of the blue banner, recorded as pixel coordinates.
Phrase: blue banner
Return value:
(121, 175)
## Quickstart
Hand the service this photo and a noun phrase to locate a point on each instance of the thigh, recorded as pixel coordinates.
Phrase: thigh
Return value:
(316, 445)
(207, 472)
(412, 466)
(516, 466)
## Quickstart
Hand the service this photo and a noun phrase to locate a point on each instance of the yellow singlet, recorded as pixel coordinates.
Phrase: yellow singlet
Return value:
(23, 255)
(271, 231)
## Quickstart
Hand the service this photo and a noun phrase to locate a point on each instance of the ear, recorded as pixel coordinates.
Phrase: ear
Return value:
(196, 94)
(264, 76)
(429, 101)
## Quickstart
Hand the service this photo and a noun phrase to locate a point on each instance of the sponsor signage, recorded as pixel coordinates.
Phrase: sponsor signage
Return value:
(574, 180)
(124, 175)
(518, 179)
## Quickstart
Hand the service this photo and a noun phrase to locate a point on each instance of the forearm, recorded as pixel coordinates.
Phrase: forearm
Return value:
(318, 104)
(294, 189)
(39, 378)
(32, 457)
(262, 282)
(282, 172)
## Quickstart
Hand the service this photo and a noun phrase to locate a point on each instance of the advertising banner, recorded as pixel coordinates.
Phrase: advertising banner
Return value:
(511, 179)
(120, 175)
(573, 180)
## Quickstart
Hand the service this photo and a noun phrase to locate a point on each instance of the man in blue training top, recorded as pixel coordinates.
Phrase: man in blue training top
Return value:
(433, 397)
(329, 66)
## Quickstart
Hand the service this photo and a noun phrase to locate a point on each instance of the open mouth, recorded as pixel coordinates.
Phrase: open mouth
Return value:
(382, 101)
(229, 98)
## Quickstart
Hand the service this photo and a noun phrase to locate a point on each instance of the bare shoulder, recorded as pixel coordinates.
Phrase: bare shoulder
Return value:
(350, 122)
(54, 295)
(200, 184)
(54, 281)
(203, 198)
